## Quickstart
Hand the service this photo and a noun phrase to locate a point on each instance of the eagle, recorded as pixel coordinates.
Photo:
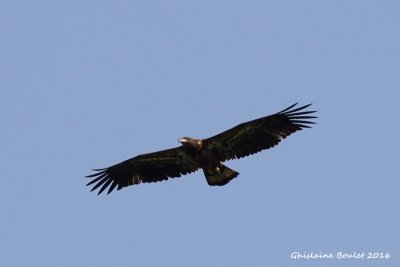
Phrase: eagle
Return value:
(207, 154)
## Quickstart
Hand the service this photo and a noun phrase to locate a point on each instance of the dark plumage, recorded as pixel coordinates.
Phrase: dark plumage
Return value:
(240, 141)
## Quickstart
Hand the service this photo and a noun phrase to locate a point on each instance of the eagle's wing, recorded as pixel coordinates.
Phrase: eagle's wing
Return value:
(146, 168)
(253, 136)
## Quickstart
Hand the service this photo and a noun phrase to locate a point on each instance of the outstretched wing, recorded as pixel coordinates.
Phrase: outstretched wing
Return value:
(146, 168)
(253, 136)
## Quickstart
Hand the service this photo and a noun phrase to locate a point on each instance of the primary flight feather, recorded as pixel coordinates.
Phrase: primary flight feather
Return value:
(240, 141)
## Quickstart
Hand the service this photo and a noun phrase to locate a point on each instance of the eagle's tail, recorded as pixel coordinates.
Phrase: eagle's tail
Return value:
(219, 175)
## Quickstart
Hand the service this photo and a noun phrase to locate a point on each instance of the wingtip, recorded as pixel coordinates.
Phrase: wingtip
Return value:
(292, 109)
(307, 105)
(288, 108)
(98, 172)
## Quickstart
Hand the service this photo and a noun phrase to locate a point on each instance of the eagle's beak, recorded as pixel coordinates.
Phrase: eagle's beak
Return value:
(182, 140)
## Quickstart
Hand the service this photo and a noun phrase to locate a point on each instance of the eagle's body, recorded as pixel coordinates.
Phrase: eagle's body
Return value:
(206, 154)
(214, 171)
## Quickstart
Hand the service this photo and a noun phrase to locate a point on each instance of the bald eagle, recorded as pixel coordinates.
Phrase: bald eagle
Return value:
(207, 154)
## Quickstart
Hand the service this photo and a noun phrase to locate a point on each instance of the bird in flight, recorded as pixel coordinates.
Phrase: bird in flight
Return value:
(207, 154)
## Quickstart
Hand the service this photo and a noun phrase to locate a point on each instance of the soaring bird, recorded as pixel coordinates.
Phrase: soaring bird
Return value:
(207, 154)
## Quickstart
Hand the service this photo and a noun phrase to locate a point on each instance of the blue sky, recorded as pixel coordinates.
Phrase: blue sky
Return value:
(86, 84)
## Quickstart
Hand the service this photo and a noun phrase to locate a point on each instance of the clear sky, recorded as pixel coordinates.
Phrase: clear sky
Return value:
(87, 84)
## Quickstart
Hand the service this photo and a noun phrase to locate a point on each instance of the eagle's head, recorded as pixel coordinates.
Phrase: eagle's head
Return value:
(185, 140)
(195, 143)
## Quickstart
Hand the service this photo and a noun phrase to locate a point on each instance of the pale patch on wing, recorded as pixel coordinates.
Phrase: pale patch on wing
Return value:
(136, 179)
(279, 136)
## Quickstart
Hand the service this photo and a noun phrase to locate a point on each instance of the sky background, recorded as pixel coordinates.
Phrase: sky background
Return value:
(87, 84)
